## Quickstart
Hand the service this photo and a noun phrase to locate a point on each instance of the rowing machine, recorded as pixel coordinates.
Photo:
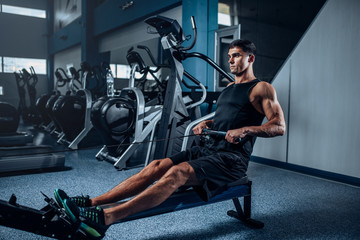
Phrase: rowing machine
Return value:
(52, 221)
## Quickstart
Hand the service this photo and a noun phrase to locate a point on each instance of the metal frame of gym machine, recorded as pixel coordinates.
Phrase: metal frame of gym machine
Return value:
(171, 39)
(149, 114)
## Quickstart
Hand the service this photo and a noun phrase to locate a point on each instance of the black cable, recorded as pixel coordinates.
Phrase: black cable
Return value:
(109, 146)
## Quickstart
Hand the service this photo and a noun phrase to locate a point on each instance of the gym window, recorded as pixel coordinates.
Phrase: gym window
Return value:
(224, 14)
(11, 64)
(123, 71)
(31, 12)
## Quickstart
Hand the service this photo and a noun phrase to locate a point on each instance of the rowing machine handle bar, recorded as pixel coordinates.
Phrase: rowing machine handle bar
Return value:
(217, 133)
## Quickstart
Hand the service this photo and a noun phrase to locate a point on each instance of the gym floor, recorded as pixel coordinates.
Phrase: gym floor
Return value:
(292, 205)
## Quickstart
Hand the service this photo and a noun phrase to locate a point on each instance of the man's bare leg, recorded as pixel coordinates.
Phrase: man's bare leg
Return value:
(175, 177)
(135, 184)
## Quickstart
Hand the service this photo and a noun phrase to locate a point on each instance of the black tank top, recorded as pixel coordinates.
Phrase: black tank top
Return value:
(234, 110)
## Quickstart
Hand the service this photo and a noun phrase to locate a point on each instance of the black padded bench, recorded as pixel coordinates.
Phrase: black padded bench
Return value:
(189, 198)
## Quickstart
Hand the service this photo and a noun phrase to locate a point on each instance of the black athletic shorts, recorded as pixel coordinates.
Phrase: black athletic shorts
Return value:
(214, 170)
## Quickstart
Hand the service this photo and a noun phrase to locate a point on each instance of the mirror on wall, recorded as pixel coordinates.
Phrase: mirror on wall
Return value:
(65, 12)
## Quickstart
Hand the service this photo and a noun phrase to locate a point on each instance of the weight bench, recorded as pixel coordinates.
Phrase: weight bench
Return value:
(52, 221)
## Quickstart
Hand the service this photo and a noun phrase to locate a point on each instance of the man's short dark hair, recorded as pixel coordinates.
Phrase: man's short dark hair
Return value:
(246, 45)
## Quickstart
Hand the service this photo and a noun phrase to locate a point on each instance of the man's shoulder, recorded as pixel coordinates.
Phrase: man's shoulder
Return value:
(231, 83)
(264, 84)
(263, 89)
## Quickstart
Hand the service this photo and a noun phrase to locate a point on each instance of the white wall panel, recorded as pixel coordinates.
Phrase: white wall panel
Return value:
(325, 116)
(324, 130)
(275, 148)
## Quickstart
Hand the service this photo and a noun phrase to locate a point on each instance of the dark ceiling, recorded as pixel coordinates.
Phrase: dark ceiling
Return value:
(294, 14)
(275, 26)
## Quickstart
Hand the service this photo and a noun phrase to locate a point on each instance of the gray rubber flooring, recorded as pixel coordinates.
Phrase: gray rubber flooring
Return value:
(292, 205)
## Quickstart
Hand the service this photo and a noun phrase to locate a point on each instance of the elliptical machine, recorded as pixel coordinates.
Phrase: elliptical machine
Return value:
(24, 78)
(31, 80)
(72, 113)
(124, 117)
(45, 103)
(20, 82)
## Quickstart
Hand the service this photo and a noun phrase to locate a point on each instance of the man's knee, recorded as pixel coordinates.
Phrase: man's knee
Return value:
(158, 167)
(179, 175)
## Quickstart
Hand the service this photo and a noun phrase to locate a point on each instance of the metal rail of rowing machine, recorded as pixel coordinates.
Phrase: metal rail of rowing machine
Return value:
(185, 199)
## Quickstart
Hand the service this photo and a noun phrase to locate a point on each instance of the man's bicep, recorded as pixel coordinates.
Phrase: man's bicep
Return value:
(271, 105)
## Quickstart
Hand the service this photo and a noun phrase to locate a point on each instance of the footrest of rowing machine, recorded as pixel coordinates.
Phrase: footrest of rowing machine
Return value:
(50, 221)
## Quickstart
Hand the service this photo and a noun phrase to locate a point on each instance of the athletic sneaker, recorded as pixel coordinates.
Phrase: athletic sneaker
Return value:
(80, 201)
(92, 220)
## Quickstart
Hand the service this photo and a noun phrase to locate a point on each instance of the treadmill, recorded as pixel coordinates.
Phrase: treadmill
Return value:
(17, 151)
(16, 159)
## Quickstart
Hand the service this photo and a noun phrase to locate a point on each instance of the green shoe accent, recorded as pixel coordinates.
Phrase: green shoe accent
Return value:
(69, 212)
(90, 218)
(90, 230)
(58, 198)
(80, 201)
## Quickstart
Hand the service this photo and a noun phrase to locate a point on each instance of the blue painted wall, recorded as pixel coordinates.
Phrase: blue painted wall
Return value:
(110, 15)
(66, 38)
(107, 17)
(205, 13)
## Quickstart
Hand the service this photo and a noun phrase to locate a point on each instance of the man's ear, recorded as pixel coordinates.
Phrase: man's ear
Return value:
(251, 58)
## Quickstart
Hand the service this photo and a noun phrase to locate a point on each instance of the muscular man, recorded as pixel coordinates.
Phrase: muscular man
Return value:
(241, 108)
